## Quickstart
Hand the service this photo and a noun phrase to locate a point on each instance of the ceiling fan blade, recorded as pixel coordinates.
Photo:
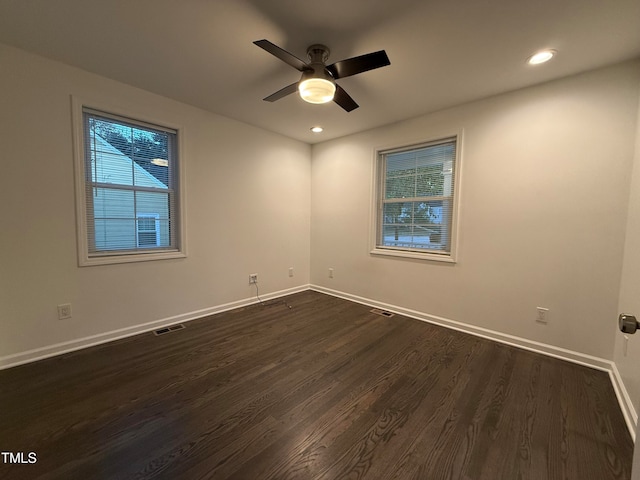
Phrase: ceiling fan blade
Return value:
(343, 99)
(283, 92)
(283, 55)
(355, 65)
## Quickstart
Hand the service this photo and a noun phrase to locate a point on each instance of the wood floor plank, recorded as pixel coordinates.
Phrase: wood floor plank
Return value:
(325, 389)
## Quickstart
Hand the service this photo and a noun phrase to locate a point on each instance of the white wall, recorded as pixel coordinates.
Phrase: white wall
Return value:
(248, 211)
(629, 302)
(545, 185)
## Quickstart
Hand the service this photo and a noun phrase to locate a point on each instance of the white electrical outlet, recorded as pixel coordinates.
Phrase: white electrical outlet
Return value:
(253, 278)
(291, 271)
(64, 311)
(331, 273)
(542, 315)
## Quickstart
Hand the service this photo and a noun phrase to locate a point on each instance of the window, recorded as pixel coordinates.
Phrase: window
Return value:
(416, 200)
(128, 189)
(148, 230)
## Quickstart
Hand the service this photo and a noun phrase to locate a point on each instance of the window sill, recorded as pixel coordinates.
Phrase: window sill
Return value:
(129, 258)
(446, 258)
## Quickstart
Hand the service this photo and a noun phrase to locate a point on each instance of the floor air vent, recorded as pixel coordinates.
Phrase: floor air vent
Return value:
(384, 313)
(172, 328)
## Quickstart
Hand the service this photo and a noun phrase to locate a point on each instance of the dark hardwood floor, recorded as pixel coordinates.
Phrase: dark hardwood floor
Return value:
(324, 390)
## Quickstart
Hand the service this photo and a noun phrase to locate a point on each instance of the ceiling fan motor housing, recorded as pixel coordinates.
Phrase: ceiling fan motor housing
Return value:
(318, 53)
(317, 85)
(318, 72)
(318, 56)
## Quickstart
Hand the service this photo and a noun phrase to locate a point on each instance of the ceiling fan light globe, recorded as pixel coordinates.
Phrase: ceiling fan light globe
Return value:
(317, 90)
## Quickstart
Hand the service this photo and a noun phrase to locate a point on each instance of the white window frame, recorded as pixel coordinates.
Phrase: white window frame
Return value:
(85, 258)
(378, 188)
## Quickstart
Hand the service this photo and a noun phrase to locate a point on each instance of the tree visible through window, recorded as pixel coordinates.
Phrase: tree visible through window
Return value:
(416, 198)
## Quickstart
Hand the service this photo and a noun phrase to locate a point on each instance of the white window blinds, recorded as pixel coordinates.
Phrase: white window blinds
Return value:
(416, 197)
(130, 180)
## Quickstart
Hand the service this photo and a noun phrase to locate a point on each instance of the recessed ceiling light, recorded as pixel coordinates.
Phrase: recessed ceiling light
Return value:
(541, 57)
(317, 129)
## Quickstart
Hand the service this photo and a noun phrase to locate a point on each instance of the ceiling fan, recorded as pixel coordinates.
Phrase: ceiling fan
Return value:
(317, 84)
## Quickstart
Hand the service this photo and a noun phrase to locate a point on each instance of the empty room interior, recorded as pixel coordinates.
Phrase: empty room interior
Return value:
(439, 283)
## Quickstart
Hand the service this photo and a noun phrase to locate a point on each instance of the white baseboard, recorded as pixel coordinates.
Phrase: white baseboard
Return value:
(626, 406)
(80, 343)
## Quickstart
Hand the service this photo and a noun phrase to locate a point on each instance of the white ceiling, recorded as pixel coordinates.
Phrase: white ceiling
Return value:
(442, 52)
